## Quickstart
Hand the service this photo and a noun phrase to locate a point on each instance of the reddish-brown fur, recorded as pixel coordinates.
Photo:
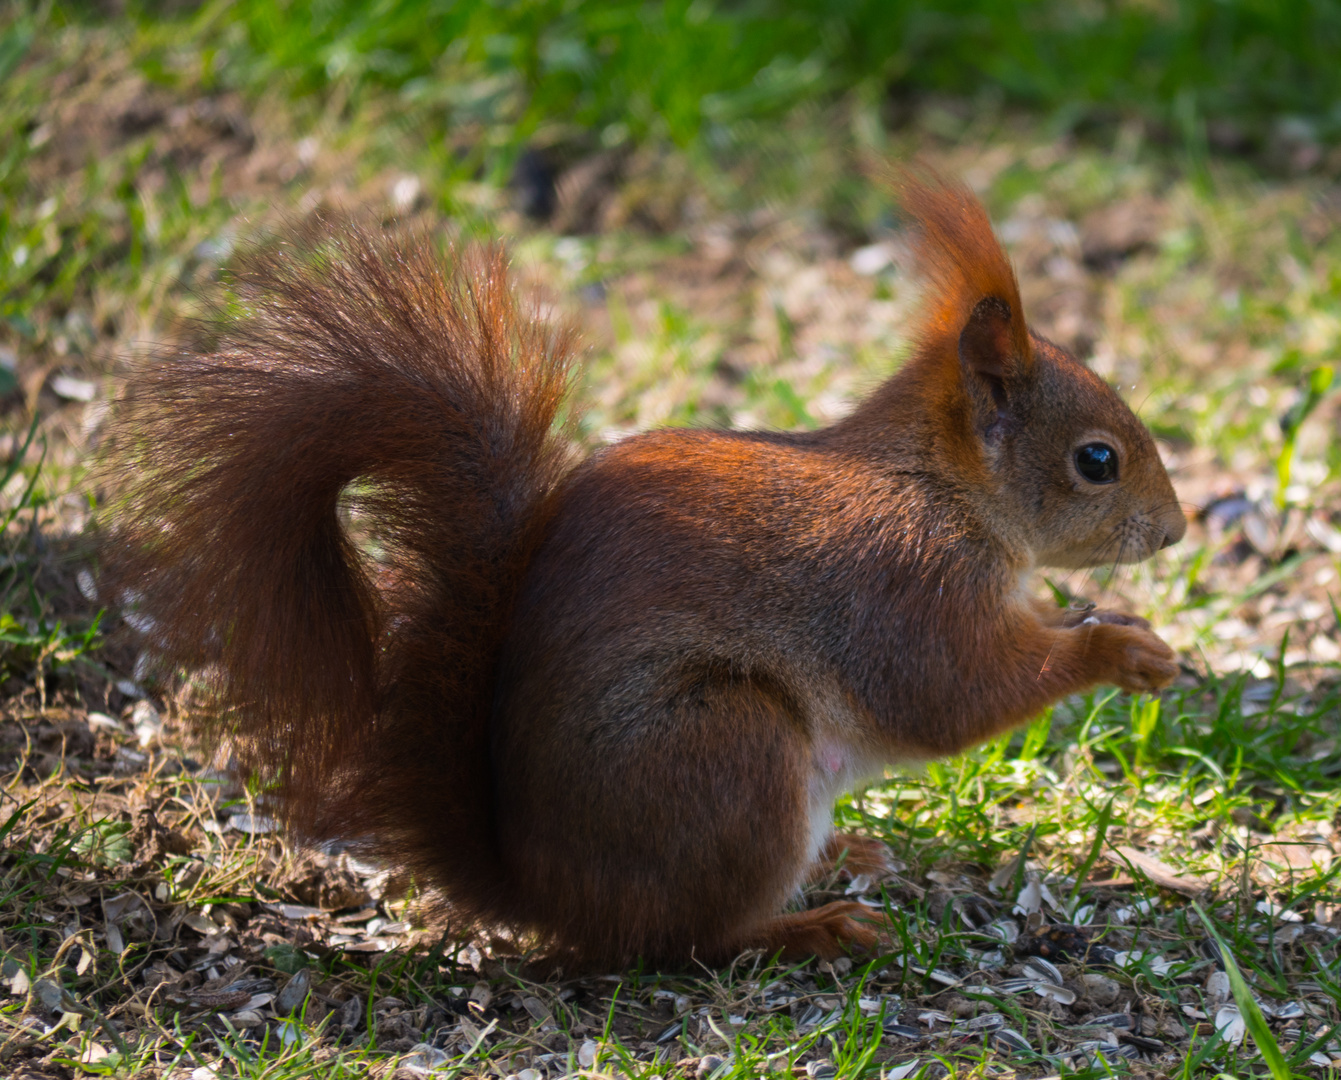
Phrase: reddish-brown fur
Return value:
(609, 705)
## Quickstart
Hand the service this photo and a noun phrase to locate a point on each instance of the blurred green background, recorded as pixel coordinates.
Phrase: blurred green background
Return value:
(689, 71)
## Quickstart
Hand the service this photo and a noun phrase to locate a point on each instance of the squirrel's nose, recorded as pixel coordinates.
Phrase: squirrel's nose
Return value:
(1174, 534)
(1175, 526)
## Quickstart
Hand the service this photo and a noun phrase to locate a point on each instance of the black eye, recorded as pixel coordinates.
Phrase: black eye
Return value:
(1097, 463)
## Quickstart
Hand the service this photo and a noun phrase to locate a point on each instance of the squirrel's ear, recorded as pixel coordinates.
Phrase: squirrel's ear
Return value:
(989, 359)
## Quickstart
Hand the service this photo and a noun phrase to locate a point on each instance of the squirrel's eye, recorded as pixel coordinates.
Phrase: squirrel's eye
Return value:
(1097, 463)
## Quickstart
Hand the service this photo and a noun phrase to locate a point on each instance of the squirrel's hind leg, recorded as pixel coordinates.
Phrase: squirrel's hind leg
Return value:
(689, 829)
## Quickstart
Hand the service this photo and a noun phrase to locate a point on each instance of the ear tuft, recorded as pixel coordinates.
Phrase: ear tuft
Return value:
(964, 267)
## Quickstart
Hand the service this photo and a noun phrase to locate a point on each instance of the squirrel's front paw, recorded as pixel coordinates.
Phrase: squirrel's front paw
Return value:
(1141, 661)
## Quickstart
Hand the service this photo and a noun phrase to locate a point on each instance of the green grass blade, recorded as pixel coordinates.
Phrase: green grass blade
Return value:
(1243, 997)
(1096, 848)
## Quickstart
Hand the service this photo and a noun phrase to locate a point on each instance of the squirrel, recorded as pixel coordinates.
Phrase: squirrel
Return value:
(607, 704)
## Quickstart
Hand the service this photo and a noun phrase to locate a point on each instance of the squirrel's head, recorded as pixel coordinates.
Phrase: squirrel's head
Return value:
(1055, 460)
(1069, 469)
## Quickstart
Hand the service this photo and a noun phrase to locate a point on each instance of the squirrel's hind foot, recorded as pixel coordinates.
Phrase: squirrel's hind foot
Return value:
(841, 928)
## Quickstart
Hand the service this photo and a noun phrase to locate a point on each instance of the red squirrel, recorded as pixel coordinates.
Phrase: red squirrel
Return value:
(607, 704)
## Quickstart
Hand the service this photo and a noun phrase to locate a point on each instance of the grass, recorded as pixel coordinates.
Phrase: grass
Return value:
(691, 71)
(1054, 786)
(145, 919)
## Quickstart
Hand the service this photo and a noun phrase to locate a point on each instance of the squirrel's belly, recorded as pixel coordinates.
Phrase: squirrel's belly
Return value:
(838, 765)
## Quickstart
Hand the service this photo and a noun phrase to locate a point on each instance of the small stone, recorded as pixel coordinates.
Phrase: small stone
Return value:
(709, 1064)
(1170, 1028)
(50, 994)
(1100, 989)
(1217, 989)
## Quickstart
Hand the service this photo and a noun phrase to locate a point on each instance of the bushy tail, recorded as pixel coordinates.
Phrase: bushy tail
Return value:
(355, 376)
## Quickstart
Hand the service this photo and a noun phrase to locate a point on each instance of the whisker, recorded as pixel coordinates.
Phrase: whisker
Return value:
(1095, 558)
(1109, 556)
(1121, 537)
(1092, 560)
